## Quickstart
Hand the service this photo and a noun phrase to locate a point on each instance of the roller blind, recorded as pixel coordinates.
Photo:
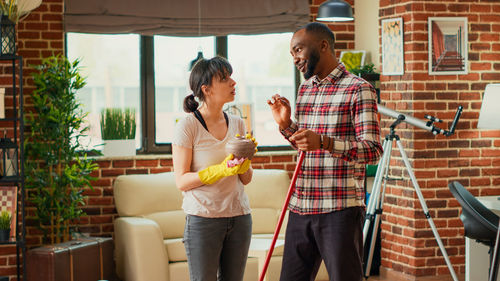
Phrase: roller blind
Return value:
(180, 17)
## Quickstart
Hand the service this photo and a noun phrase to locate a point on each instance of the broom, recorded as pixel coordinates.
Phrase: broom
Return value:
(282, 216)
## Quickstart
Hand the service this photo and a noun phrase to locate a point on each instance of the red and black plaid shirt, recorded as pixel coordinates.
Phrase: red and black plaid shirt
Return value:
(343, 107)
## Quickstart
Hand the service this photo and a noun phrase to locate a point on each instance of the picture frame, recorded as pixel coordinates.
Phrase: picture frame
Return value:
(448, 45)
(352, 59)
(392, 46)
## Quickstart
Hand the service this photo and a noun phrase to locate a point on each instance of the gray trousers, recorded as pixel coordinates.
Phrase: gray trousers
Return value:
(217, 248)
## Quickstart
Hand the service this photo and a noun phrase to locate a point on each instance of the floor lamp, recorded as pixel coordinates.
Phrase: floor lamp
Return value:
(489, 118)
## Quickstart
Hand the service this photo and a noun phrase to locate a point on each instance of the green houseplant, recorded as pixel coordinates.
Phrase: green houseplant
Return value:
(368, 73)
(5, 220)
(57, 171)
(118, 128)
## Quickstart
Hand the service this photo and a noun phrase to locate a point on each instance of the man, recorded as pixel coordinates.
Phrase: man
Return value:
(337, 127)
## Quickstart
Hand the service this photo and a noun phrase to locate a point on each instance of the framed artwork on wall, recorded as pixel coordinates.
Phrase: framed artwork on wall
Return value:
(392, 47)
(448, 46)
(353, 59)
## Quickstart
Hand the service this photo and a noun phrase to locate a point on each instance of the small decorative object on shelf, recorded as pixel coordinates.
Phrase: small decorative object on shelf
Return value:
(2, 102)
(8, 155)
(8, 36)
(5, 220)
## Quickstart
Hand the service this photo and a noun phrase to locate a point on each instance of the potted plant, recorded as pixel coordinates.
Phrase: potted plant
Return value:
(5, 220)
(57, 169)
(118, 131)
(367, 72)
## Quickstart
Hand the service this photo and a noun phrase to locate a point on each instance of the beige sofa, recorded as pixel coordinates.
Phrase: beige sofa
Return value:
(149, 230)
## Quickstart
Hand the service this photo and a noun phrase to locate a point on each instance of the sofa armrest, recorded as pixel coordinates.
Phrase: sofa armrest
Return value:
(139, 250)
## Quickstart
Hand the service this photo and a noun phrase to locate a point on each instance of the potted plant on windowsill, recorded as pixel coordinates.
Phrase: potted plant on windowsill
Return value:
(118, 132)
(5, 220)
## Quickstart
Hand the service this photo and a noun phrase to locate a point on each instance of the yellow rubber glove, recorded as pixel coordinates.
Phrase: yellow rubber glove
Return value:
(213, 173)
(243, 167)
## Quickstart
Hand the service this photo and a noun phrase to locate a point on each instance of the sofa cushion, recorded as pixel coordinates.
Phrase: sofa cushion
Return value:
(137, 195)
(264, 220)
(177, 252)
(175, 249)
(171, 223)
(268, 188)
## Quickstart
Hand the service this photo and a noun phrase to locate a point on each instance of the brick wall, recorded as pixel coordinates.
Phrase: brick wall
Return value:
(471, 156)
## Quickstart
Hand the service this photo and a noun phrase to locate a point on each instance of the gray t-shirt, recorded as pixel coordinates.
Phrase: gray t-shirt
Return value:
(224, 198)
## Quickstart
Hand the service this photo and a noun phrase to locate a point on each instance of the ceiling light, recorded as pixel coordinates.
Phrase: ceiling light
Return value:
(335, 10)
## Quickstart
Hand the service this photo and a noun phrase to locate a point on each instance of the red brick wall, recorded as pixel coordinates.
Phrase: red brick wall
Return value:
(471, 156)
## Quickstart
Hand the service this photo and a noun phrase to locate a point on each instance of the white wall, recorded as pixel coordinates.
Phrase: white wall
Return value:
(366, 30)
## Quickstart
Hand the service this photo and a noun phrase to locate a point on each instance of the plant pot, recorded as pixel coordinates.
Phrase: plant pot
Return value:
(370, 76)
(4, 234)
(114, 148)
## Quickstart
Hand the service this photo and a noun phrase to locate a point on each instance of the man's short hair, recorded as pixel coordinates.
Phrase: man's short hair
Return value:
(322, 32)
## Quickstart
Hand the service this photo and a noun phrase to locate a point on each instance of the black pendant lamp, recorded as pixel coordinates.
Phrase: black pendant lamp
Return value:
(200, 53)
(335, 10)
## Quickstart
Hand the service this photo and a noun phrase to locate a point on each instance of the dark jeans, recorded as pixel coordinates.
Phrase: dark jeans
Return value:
(335, 237)
(217, 248)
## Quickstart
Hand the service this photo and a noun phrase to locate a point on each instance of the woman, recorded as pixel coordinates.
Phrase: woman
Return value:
(218, 222)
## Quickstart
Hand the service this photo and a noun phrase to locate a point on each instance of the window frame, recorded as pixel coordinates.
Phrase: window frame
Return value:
(147, 95)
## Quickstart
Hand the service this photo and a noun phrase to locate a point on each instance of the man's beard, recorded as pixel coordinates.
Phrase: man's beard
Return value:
(311, 64)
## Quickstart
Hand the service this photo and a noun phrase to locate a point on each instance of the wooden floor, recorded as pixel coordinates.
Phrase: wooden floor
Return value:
(385, 276)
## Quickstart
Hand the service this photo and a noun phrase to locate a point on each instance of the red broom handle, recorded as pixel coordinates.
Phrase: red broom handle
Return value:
(282, 216)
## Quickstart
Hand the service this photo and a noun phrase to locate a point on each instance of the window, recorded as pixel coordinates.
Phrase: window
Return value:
(110, 64)
(151, 75)
(171, 64)
(260, 71)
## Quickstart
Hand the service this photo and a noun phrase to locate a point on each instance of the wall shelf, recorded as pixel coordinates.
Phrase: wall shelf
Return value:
(15, 122)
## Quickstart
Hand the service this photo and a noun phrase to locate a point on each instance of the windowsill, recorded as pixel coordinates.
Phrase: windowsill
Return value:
(169, 156)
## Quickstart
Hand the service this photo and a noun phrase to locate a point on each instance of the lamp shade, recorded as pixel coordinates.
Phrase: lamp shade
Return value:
(489, 116)
(335, 10)
(193, 62)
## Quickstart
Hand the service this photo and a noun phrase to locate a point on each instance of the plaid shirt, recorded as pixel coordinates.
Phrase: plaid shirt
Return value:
(343, 107)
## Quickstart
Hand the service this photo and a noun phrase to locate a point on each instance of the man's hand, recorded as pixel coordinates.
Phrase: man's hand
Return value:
(281, 110)
(306, 140)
